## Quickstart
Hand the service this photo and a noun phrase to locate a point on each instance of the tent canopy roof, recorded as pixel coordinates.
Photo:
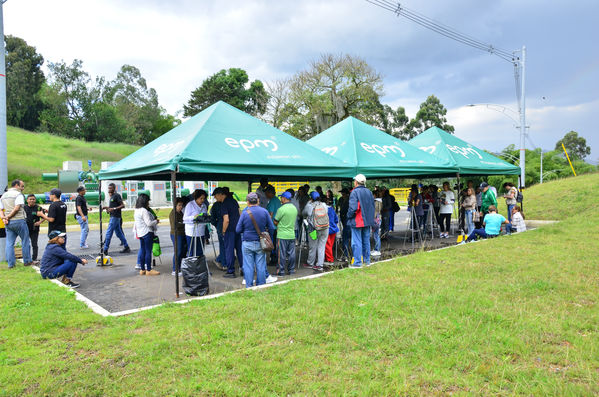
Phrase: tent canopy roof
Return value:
(224, 143)
(469, 159)
(377, 154)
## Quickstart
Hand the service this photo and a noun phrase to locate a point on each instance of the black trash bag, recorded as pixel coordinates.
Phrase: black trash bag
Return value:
(195, 275)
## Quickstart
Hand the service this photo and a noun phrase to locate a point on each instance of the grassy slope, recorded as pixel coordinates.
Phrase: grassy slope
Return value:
(30, 154)
(460, 320)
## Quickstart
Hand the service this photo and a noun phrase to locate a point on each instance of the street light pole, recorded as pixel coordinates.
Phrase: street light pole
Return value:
(522, 110)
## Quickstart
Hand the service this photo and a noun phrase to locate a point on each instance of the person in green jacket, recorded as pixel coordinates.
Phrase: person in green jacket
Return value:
(488, 198)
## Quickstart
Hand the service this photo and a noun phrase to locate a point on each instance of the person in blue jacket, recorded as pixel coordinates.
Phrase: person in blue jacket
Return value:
(57, 262)
(360, 217)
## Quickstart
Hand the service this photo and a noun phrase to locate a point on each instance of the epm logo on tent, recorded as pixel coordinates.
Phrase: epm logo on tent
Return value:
(247, 144)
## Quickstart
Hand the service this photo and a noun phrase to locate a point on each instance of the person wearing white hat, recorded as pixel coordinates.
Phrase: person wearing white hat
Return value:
(360, 217)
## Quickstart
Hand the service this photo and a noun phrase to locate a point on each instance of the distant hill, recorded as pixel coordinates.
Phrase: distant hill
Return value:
(30, 154)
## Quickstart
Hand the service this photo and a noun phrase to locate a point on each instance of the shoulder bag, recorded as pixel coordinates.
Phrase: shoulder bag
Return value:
(265, 241)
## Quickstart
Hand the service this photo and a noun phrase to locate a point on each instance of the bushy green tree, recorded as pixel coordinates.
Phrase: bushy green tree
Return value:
(329, 90)
(24, 79)
(231, 86)
(431, 114)
(575, 145)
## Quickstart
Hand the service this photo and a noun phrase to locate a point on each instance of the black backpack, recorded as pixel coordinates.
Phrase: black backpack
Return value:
(519, 196)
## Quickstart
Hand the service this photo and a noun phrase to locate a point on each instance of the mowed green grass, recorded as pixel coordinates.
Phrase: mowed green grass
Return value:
(30, 154)
(513, 315)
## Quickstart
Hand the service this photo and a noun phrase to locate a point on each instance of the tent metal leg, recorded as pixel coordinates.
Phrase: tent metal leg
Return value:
(174, 200)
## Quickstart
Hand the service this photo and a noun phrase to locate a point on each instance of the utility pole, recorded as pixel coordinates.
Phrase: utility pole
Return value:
(3, 149)
(519, 62)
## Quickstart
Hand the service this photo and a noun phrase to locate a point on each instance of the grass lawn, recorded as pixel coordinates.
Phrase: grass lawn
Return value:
(30, 154)
(513, 315)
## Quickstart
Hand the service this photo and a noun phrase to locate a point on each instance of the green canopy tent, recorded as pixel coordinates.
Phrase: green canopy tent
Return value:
(468, 159)
(377, 154)
(224, 143)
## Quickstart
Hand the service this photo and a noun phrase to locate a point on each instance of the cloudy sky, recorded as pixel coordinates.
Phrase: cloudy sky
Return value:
(178, 43)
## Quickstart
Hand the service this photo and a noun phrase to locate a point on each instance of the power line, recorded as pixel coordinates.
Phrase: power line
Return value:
(444, 30)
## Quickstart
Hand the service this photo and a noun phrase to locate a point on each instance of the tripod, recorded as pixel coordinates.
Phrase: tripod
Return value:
(413, 231)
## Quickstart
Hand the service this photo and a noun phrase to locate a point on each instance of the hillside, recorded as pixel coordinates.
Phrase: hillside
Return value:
(30, 154)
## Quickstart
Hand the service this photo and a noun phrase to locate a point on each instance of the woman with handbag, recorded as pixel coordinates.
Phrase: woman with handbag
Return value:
(145, 227)
(254, 226)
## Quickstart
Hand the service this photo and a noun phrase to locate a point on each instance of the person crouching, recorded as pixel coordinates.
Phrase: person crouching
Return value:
(57, 262)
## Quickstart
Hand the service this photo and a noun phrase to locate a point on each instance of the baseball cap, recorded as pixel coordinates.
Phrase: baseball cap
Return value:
(252, 198)
(360, 178)
(314, 195)
(56, 233)
(287, 195)
(56, 192)
(483, 185)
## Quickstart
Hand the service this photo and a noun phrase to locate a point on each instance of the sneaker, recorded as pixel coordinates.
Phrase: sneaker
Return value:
(84, 247)
(138, 267)
(290, 272)
(28, 264)
(72, 284)
(229, 275)
(307, 266)
(375, 253)
(125, 250)
(243, 282)
(318, 269)
(270, 279)
(281, 274)
(142, 272)
(173, 273)
(354, 266)
(152, 272)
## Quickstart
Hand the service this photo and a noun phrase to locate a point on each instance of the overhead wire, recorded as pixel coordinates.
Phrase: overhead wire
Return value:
(444, 30)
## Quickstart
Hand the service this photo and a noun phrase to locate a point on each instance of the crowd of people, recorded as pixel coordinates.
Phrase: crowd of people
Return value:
(292, 220)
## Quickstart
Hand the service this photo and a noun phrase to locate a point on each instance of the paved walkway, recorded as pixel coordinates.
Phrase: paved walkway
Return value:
(120, 287)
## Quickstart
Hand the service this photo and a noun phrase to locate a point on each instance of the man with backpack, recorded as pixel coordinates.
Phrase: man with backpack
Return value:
(360, 217)
(316, 214)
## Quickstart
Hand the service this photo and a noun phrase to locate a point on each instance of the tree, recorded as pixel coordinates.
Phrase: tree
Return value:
(431, 114)
(137, 105)
(230, 86)
(24, 79)
(575, 145)
(331, 89)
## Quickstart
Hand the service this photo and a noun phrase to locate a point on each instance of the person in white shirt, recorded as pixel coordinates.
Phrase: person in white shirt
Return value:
(145, 228)
(517, 223)
(194, 231)
(447, 199)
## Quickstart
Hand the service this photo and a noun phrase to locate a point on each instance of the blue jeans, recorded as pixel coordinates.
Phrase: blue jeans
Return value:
(286, 255)
(391, 220)
(114, 226)
(253, 256)
(145, 247)
(360, 245)
(66, 269)
(508, 227)
(84, 229)
(17, 227)
(181, 249)
(376, 231)
(194, 246)
(232, 246)
(469, 221)
(346, 239)
(481, 233)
